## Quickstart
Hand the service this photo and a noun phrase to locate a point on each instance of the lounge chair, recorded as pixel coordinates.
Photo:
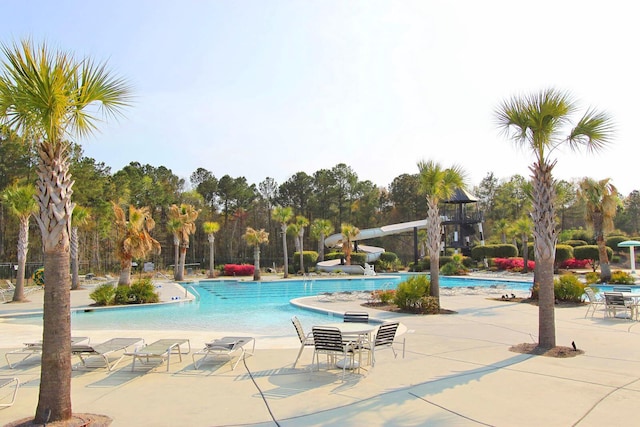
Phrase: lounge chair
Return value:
(385, 338)
(7, 381)
(35, 349)
(225, 346)
(306, 340)
(328, 341)
(356, 316)
(105, 350)
(593, 300)
(160, 350)
(327, 296)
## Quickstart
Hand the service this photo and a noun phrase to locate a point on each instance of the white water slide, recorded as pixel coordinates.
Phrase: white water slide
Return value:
(373, 252)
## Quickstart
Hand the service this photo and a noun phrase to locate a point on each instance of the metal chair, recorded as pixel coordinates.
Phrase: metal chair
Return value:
(356, 316)
(328, 341)
(594, 301)
(385, 338)
(615, 301)
(306, 340)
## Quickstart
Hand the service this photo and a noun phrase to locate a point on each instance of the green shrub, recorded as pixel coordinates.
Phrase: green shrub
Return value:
(612, 242)
(621, 278)
(121, 295)
(142, 291)
(574, 243)
(409, 293)
(568, 288)
(309, 258)
(103, 294)
(563, 253)
(455, 267)
(592, 277)
(388, 257)
(38, 277)
(387, 296)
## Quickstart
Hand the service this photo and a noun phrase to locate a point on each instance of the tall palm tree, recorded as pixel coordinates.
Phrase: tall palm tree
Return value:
(255, 238)
(437, 184)
(185, 215)
(297, 229)
(211, 228)
(134, 238)
(20, 200)
(501, 226)
(283, 215)
(601, 203)
(80, 217)
(349, 232)
(539, 122)
(320, 229)
(523, 227)
(49, 97)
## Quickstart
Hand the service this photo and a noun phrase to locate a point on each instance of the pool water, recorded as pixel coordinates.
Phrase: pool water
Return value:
(248, 307)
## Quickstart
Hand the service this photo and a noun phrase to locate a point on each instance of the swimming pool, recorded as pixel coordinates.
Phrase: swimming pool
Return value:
(245, 306)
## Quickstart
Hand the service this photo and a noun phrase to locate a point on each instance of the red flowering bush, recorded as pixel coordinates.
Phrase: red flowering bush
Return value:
(573, 263)
(512, 264)
(238, 270)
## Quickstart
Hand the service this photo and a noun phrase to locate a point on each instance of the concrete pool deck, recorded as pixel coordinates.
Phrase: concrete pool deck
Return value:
(458, 370)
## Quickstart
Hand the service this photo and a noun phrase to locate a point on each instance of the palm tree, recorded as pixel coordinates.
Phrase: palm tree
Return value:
(283, 216)
(601, 203)
(255, 238)
(523, 227)
(48, 97)
(320, 229)
(134, 238)
(80, 217)
(297, 229)
(537, 122)
(501, 226)
(211, 228)
(185, 215)
(20, 200)
(349, 232)
(437, 184)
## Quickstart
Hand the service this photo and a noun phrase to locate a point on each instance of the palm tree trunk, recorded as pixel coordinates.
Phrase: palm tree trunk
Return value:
(284, 249)
(125, 273)
(525, 253)
(176, 258)
(55, 372)
(433, 244)
(23, 248)
(74, 258)
(183, 257)
(256, 262)
(211, 256)
(545, 238)
(605, 268)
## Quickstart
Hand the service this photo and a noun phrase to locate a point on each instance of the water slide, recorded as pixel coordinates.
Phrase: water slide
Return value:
(372, 252)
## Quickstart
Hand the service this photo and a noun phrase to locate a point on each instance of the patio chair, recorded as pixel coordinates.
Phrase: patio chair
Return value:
(306, 340)
(328, 341)
(159, 350)
(327, 296)
(594, 301)
(105, 350)
(614, 302)
(356, 316)
(385, 338)
(621, 289)
(225, 346)
(7, 381)
(35, 349)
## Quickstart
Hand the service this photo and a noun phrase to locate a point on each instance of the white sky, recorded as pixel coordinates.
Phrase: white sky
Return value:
(268, 88)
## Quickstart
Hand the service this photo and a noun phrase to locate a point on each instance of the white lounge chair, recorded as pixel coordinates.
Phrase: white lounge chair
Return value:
(160, 350)
(7, 381)
(105, 350)
(225, 346)
(35, 349)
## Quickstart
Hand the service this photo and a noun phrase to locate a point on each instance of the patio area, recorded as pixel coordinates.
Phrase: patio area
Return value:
(458, 370)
